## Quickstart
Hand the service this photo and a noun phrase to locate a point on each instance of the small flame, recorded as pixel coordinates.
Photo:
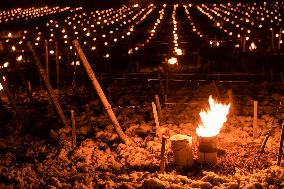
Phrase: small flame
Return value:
(212, 119)
(252, 46)
(1, 87)
(172, 61)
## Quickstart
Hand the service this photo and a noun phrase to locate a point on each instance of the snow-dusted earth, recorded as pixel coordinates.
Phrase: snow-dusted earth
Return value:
(100, 160)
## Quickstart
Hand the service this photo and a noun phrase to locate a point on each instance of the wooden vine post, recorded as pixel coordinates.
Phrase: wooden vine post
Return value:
(244, 44)
(57, 65)
(216, 89)
(231, 99)
(46, 59)
(280, 39)
(158, 104)
(158, 129)
(163, 149)
(280, 151)
(73, 129)
(29, 86)
(100, 92)
(50, 91)
(268, 134)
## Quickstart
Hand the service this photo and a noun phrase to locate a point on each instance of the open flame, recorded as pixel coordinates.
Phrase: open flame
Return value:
(212, 119)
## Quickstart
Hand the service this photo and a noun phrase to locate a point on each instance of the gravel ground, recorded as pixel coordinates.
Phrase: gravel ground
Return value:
(41, 156)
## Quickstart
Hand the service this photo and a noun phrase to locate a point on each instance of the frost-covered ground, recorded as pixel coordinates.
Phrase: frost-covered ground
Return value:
(41, 156)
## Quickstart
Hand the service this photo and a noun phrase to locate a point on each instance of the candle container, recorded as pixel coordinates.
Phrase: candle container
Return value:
(182, 149)
(207, 150)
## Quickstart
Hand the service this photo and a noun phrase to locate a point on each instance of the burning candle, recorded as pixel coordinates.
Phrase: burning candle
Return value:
(212, 121)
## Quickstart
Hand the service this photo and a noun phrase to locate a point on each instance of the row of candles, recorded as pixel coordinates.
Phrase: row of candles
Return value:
(152, 33)
(86, 27)
(257, 11)
(217, 24)
(56, 30)
(125, 28)
(239, 25)
(213, 40)
(245, 19)
(251, 16)
(138, 18)
(195, 28)
(117, 23)
(17, 42)
(29, 13)
(51, 27)
(177, 50)
(106, 25)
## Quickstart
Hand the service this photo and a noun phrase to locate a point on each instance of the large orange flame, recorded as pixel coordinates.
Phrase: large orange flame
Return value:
(212, 119)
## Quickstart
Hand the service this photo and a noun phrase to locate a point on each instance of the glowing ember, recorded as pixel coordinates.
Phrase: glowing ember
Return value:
(212, 119)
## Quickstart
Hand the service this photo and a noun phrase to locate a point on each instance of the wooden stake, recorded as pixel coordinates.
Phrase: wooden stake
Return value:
(158, 130)
(100, 92)
(158, 106)
(231, 99)
(57, 65)
(50, 91)
(280, 151)
(46, 59)
(217, 90)
(29, 86)
(255, 118)
(268, 134)
(166, 100)
(73, 129)
(68, 75)
(28, 90)
(163, 149)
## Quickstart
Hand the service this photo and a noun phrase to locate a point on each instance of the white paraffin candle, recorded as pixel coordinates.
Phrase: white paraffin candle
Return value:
(182, 147)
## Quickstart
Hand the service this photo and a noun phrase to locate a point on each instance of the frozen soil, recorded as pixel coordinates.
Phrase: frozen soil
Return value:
(40, 154)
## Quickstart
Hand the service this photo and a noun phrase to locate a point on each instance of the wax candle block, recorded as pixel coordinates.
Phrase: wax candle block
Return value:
(182, 148)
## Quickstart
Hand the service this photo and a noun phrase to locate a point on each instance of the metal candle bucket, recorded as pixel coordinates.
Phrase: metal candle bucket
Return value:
(207, 149)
